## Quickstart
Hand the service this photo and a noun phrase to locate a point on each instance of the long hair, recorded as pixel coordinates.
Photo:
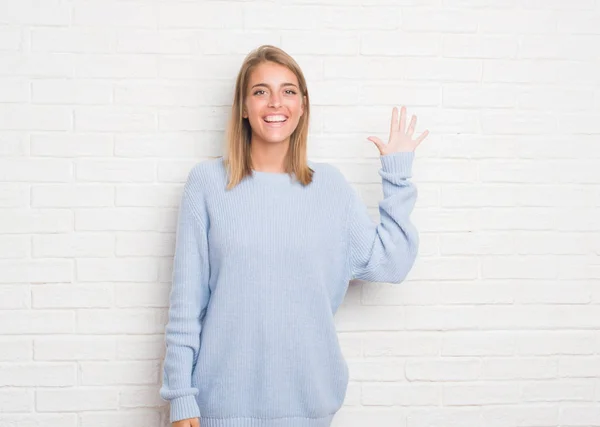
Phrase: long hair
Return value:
(238, 134)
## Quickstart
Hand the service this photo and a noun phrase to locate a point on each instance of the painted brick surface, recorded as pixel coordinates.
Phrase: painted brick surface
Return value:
(105, 106)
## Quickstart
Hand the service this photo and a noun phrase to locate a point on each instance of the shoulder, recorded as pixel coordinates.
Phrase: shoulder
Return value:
(200, 182)
(205, 168)
(330, 174)
(205, 172)
(333, 182)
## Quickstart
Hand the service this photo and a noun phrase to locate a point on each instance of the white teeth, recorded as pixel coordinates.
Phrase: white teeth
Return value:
(275, 119)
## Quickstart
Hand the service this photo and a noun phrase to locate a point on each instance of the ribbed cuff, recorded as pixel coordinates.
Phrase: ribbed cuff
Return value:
(399, 162)
(267, 422)
(183, 408)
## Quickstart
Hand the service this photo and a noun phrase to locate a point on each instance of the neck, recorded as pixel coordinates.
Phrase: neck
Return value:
(269, 157)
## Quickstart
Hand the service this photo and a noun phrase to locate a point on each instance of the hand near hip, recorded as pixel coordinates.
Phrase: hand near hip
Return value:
(190, 422)
(400, 139)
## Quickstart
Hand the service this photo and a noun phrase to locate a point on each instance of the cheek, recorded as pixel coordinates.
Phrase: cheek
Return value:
(296, 108)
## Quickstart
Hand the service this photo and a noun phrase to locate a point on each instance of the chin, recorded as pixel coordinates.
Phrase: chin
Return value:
(275, 140)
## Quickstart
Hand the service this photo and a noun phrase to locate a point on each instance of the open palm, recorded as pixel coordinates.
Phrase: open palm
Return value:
(400, 136)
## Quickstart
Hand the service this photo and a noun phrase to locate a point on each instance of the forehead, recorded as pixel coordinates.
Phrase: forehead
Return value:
(269, 72)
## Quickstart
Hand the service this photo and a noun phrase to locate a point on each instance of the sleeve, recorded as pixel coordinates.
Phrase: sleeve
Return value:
(189, 297)
(385, 252)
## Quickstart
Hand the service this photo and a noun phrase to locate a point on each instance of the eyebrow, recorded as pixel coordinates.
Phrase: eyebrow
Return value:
(266, 85)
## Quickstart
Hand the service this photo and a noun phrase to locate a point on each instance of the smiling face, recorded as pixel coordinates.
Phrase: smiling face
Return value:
(273, 103)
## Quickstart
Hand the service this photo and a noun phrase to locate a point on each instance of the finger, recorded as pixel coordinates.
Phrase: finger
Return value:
(402, 119)
(411, 125)
(422, 137)
(394, 124)
(377, 142)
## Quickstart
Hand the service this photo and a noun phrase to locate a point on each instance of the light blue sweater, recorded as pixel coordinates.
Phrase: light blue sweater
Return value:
(259, 272)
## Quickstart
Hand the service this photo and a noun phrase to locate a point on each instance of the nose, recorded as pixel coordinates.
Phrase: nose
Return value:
(274, 100)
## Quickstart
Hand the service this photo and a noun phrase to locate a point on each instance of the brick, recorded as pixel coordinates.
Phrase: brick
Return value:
(75, 40)
(13, 196)
(72, 296)
(439, 20)
(145, 244)
(38, 374)
(15, 400)
(560, 390)
(491, 393)
(531, 414)
(71, 145)
(378, 369)
(118, 269)
(142, 347)
(404, 394)
(36, 64)
(16, 221)
(69, 195)
(115, 66)
(448, 369)
(119, 373)
(142, 295)
(73, 245)
(36, 321)
(14, 89)
(161, 195)
(398, 44)
(478, 343)
(323, 43)
(36, 271)
(118, 119)
(32, 170)
(509, 368)
(76, 399)
(35, 117)
(47, 420)
(14, 296)
(524, 22)
(199, 15)
(115, 14)
(121, 321)
(125, 219)
(74, 348)
(16, 349)
(148, 418)
(169, 145)
(32, 12)
(116, 170)
(62, 91)
(140, 397)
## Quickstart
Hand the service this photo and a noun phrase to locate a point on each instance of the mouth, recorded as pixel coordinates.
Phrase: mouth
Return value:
(275, 120)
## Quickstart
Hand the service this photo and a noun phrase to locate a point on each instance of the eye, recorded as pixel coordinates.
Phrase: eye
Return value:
(290, 91)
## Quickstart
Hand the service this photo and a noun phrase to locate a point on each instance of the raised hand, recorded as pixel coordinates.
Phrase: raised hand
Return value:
(400, 139)
(190, 422)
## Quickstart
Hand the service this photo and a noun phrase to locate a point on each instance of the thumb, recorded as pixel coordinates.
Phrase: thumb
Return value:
(377, 142)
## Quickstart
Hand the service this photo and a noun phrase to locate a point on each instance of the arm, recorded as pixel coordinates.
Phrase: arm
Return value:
(188, 300)
(385, 252)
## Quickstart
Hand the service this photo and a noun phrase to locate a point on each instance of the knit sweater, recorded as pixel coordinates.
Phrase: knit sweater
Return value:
(259, 272)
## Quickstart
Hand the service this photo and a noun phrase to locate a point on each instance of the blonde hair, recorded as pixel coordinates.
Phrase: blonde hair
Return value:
(238, 133)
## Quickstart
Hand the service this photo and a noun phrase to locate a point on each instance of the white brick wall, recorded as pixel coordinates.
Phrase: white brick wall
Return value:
(105, 106)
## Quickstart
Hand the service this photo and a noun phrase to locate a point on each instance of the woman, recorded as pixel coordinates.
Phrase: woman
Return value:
(267, 242)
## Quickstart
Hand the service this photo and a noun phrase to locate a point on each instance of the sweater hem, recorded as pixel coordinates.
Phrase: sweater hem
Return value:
(267, 422)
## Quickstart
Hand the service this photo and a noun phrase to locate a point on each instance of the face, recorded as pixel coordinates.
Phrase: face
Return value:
(273, 103)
